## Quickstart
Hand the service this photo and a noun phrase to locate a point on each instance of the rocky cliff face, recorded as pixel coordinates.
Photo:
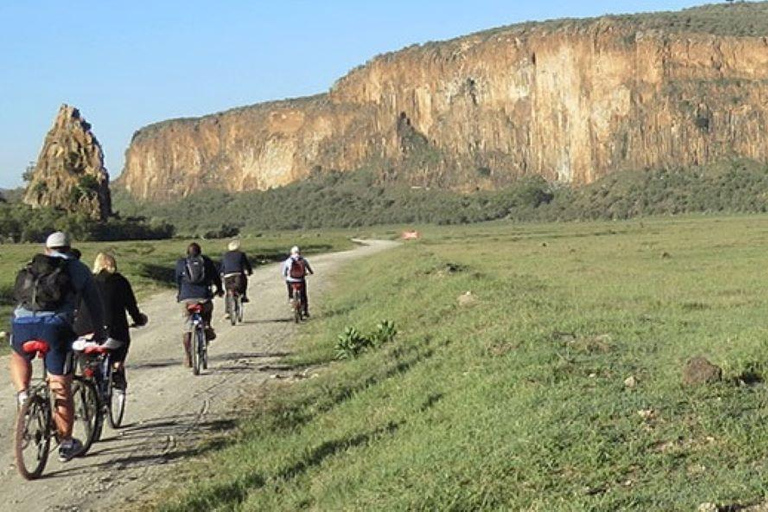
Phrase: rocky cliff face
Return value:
(70, 172)
(571, 101)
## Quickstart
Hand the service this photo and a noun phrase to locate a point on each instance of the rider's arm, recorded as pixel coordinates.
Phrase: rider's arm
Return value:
(223, 266)
(84, 284)
(179, 276)
(309, 269)
(284, 268)
(247, 264)
(130, 301)
(215, 273)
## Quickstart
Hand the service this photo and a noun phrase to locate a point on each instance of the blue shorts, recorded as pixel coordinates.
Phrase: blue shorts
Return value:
(52, 329)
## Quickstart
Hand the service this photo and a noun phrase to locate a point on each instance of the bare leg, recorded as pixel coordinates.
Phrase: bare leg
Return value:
(187, 341)
(21, 372)
(61, 386)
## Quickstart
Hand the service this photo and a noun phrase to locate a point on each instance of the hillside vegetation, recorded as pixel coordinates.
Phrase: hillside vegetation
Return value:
(363, 198)
(506, 386)
(739, 19)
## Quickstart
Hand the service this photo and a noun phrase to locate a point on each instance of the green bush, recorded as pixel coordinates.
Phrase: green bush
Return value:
(351, 343)
(21, 223)
(385, 332)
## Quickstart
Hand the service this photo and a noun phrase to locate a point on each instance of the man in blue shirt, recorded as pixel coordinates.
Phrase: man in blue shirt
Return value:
(195, 275)
(234, 266)
(53, 324)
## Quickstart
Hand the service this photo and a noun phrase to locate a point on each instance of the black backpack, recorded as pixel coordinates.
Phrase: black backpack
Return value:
(195, 270)
(43, 284)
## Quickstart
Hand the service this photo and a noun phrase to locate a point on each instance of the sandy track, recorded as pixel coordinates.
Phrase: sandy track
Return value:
(168, 410)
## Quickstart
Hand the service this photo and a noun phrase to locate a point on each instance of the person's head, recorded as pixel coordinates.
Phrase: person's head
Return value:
(295, 251)
(234, 245)
(58, 242)
(194, 249)
(106, 262)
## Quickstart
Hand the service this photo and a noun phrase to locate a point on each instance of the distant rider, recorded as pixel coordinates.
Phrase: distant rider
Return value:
(117, 297)
(295, 270)
(195, 275)
(234, 267)
(53, 274)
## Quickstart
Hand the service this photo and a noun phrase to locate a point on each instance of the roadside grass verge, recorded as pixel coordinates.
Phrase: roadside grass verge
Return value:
(514, 397)
(149, 265)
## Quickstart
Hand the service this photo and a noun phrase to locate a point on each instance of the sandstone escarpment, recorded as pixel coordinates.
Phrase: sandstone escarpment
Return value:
(571, 101)
(69, 173)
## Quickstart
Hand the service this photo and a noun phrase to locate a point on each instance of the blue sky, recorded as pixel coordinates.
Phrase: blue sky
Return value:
(128, 64)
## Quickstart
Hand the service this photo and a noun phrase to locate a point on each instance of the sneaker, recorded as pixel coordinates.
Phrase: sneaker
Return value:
(21, 397)
(210, 334)
(70, 449)
(246, 299)
(226, 316)
(118, 379)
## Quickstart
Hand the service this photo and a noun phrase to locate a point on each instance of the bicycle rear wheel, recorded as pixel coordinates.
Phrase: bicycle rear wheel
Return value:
(196, 362)
(203, 351)
(33, 437)
(117, 400)
(297, 306)
(89, 417)
(232, 308)
(239, 308)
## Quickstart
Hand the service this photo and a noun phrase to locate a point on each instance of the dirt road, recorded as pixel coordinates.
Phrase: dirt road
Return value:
(168, 409)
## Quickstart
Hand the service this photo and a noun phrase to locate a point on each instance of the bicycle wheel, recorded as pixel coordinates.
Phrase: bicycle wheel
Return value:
(203, 351)
(239, 308)
(116, 403)
(89, 418)
(297, 306)
(33, 437)
(198, 332)
(232, 308)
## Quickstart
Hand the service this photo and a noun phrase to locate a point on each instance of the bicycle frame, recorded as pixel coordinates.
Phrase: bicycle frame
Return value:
(198, 342)
(39, 349)
(39, 395)
(296, 301)
(98, 367)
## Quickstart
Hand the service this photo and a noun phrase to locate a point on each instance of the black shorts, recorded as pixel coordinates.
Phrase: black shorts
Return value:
(52, 329)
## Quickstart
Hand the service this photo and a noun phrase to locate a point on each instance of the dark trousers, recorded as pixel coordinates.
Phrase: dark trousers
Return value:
(238, 282)
(304, 298)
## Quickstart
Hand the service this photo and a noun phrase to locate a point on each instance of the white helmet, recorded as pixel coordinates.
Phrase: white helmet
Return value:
(295, 250)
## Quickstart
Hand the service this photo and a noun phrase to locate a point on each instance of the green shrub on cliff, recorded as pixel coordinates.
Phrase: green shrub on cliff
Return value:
(362, 198)
(21, 223)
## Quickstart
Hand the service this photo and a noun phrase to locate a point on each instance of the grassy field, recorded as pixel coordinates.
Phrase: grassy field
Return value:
(149, 265)
(514, 397)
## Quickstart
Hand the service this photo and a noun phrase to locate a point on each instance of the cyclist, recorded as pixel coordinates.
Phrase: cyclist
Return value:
(195, 275)
(234, 266)
(117, 297)
(295, 270)
(64, 280)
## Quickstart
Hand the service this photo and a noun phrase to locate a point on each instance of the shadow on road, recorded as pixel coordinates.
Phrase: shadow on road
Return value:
(162, 440)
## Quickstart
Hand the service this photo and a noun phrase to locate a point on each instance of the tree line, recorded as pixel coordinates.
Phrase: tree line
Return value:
(364, 198)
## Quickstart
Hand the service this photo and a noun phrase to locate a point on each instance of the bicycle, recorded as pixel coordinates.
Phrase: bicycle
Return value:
(34, 421)
(297, 304)
(233, 301)
(98, 368)
(199, 343)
